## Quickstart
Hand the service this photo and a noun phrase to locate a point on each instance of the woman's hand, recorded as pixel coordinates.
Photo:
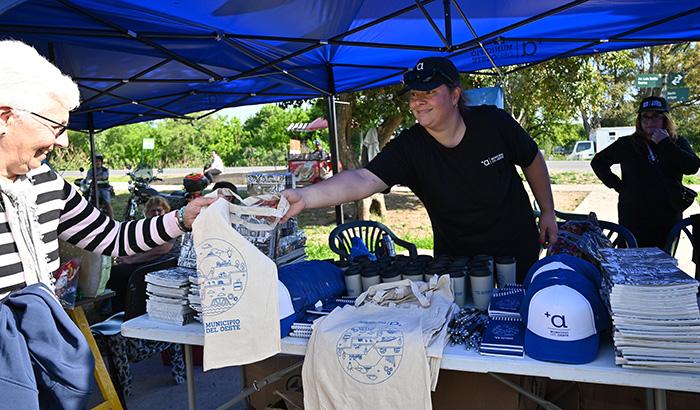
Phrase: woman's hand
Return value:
(549, 231)
(296, 203)
(193, 209)
(659, 135)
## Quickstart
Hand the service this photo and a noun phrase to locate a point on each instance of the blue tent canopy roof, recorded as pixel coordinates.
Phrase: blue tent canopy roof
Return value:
(137, 60)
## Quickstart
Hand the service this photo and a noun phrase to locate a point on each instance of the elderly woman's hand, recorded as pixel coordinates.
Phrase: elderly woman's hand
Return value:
(193, 209)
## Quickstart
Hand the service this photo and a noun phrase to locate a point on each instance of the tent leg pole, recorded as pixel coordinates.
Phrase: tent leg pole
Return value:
(91, 127)
(333, 140)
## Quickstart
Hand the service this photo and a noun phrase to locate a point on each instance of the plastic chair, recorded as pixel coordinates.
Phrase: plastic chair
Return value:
(620, 236)
(121, 350)
(370, 232)
(674, 236)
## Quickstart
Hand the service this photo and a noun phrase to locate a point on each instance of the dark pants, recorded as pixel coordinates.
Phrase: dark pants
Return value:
(119, 282)
(650, 236)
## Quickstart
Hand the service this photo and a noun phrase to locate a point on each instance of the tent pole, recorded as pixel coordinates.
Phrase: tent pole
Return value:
(333, 140)
(93, 192)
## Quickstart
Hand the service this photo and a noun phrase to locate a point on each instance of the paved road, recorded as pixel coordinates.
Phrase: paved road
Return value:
(554, 166)
(168, 172)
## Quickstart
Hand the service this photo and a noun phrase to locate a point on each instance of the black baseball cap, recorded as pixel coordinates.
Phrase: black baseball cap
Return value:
(658, 104)
(430, 73)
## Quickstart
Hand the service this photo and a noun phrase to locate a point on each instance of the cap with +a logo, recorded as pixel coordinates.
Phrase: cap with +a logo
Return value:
(430, 73)
(563, 315)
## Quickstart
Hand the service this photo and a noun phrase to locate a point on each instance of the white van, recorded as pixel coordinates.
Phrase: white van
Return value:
(598, 140)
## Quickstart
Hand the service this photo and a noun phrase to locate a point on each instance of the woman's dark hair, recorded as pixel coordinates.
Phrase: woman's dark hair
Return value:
(225, 184)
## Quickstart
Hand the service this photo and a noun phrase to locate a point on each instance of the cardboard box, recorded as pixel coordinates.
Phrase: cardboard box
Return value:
(478, 391)
(291, 382)
(589, 396)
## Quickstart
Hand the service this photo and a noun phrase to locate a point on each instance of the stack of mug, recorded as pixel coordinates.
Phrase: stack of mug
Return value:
(361, 273)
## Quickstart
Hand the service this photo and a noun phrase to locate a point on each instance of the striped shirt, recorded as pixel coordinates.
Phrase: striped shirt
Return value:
(65, 214)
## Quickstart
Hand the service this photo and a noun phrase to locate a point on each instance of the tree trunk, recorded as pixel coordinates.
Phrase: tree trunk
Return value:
(344, 121)
(586, 122)
(386, 130)
(365, 206)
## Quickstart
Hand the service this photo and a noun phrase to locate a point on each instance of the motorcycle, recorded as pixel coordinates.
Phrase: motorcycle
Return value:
(85, 186)
(140, 191)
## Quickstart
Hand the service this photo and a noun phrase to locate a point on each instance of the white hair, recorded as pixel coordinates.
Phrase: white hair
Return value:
(29, 81)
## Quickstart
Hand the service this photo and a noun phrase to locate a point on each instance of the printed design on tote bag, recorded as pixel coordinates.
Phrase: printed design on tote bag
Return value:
(371, 352)
(223, 276)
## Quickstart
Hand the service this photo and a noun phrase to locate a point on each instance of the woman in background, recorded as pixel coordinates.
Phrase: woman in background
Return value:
(648, 159)
(119, 276)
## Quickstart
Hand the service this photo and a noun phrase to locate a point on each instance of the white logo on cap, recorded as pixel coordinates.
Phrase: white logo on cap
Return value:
(419, 66)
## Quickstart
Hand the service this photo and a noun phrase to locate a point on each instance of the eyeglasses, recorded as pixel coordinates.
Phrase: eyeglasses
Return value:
(652, 117)
(57, 132)
(425, 76)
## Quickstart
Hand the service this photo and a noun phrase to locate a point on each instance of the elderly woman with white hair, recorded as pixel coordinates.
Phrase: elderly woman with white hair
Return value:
(44, 360)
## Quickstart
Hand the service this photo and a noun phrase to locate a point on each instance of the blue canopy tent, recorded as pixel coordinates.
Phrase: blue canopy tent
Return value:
(140, 60)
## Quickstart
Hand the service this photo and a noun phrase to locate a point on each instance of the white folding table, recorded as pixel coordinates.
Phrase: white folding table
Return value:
(602, 370)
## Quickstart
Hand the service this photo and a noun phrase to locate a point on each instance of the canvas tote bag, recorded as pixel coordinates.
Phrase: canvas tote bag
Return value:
(238, 283)
(371, 357)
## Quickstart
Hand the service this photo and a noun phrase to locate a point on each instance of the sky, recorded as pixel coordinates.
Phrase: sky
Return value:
(243, 113)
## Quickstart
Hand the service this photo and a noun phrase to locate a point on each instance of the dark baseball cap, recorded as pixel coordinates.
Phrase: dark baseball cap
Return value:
(653, 104)
(430, 73)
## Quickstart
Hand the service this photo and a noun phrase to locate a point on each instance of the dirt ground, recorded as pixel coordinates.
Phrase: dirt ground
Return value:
(407, 216)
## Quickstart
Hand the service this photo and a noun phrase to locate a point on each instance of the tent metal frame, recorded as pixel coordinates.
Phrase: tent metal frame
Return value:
(270, 67)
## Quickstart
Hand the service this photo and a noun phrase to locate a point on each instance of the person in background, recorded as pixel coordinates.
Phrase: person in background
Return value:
(104, 190)
(647, 158)
(45, 361)
(215, 168)
(460, 161)
(319, 152)
(125, 265)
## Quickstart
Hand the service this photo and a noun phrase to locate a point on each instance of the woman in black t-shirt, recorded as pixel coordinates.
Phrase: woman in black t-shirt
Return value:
(649, 158)
(479, 151)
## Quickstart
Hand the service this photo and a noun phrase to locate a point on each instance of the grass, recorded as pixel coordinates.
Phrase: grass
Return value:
(691, 180)
(573, 177)
(317, 240)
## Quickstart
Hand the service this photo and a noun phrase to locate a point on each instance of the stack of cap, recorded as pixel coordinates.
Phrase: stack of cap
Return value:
(654, 307)
(563, 312)
(564, 261)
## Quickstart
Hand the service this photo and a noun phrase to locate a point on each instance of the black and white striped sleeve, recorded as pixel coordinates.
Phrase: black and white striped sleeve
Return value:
(85, 226)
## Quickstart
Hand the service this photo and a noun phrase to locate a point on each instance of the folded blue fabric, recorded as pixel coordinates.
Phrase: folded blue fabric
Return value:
(59, 354)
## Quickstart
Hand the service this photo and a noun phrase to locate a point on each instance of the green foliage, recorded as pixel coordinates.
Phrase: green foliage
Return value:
(547, 99)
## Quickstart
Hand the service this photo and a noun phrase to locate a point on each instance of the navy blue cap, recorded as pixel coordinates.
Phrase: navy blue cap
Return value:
(430, 73)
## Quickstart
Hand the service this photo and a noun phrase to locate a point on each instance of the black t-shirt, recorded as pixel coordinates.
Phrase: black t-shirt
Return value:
(473, 194)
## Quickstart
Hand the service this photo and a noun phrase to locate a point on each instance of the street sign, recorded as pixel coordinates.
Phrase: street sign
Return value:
(675, 80)
(678, 94)
(149, 143)
(649, 80)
